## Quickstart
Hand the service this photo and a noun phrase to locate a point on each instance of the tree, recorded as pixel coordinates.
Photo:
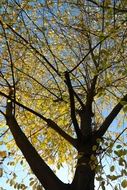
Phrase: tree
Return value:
(63, 82)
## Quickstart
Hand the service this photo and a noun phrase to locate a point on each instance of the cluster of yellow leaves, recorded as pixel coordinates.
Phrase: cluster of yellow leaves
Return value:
(62, 36)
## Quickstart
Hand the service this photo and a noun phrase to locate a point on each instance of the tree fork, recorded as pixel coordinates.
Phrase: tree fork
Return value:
(42, 171)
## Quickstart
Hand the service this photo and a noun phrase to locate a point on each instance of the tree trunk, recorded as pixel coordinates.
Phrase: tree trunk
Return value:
(84, 175)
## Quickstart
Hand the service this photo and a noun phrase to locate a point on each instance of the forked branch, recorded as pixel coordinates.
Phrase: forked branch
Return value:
(42, 171)
(49, 122)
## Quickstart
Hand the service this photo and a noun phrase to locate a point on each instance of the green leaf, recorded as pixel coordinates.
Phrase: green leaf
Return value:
(118, 146)
(21, 162)
(32, 182)
(123, 172)
(123, 103)
(99, 178)
(121, 162)
(125, 108)
(113, 177)
(39, 187)
(112, 168)
(116, 188)
(124, 183)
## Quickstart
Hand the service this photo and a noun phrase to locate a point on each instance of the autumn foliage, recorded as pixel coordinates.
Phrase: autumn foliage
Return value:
(63, 93)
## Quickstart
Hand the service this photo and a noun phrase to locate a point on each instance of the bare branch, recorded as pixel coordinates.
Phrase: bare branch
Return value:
(11, 62)
(1, 135)
(67, 137)
(105, 125)
(86, 113)
(91, 50)
(72, 105)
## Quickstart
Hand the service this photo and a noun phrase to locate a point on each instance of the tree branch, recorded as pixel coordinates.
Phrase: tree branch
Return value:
(72, 105)
(32, 47)
(118, 10)
(49, 122)
(43, 172)
(104, 127)
(67, 137)
(11, 62)
(86, 113)
(91, 50)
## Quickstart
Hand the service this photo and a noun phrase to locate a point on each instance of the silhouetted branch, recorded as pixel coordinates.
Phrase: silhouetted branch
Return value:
(43, 172)
(11, 63)
(49, 122)
(88, 53)
(72, 105)
(104, 127)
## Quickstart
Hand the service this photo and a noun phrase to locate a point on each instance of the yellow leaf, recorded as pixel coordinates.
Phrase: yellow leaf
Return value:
(94, 147)
(3, 154)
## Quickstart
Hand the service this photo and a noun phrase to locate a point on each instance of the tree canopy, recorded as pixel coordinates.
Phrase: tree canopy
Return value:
(63, 92)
